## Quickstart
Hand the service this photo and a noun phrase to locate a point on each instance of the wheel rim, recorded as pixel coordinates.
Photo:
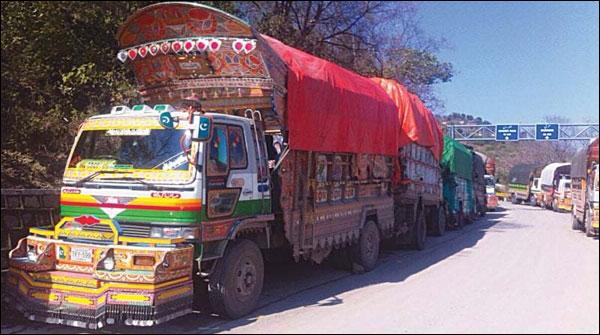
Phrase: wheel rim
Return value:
(246, 275)
(442, 221)
(370, 244)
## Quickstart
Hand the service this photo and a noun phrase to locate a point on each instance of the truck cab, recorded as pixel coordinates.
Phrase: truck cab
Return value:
(562, 196)
(137, 185)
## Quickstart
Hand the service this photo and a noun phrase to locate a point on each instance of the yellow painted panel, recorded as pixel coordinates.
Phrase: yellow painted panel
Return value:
(78, 300)
(23, 288)
(130, 239)
(103, 288)
(172, 293)
(129, 297)
(45, 296)
(40, 231)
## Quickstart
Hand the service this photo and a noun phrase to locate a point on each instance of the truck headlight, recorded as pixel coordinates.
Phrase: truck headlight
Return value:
(32, 255)
(108, 263)
(188, 233)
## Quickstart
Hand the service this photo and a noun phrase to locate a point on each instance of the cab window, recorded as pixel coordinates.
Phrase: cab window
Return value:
(237, 148)
(218, 152)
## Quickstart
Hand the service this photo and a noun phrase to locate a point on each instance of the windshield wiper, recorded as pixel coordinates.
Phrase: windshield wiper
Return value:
(93, 175)
(150, 186)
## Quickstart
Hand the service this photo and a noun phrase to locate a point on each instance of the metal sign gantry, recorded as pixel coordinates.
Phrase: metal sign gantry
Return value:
(523, 132)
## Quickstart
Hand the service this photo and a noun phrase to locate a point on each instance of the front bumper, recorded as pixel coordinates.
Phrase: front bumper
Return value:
(150, 283)
(492, 202)
(40, 299)
(565, 204)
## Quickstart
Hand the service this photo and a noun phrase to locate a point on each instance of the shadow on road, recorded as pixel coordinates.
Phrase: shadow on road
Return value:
(395, 266)
(291, 285)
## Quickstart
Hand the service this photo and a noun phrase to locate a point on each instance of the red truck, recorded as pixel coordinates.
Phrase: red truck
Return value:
(584, 190)
(242, 148)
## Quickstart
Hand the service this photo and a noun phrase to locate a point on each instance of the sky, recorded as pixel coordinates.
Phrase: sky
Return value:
(517, 62)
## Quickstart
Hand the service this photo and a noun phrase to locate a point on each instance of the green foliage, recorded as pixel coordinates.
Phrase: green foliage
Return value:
(59, 65)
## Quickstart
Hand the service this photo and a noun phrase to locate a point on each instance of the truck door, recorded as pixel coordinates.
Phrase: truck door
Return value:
(262, 191)
(231, 173)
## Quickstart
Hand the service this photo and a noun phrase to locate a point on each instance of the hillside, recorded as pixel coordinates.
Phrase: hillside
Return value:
(508, 154)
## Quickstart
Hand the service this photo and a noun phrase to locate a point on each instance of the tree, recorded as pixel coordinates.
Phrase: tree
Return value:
(59, 64)
(373, 38)
(58, 67)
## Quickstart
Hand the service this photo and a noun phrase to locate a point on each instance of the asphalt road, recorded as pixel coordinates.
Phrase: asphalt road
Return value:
(518, 270)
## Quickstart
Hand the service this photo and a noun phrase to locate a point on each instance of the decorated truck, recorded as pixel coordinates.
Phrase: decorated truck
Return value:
(418, 178)
(479, 191)
(520, 177)
(241, 148)
(584, 188)
(490, 192)
(535, 188)
(562, 197)
(457, 174)
(550, 180)
(491, 200)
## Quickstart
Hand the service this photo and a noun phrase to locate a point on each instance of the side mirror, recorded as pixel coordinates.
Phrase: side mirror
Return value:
(201, 128)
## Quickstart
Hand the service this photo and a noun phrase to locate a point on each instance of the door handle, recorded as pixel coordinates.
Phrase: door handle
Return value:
(246, 192)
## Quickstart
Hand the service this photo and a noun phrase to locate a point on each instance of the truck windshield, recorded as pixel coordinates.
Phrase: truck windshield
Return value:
(160, 149)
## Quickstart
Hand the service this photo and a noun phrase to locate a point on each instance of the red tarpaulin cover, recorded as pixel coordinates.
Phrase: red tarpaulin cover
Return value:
(417, 123)
(333, 109)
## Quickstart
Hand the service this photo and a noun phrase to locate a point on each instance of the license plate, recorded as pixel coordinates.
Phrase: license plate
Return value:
(81, 255)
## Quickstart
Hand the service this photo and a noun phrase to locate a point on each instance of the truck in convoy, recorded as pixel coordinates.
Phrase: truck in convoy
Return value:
(550, 179)
(479, 191)
(491, 200)
(241, 148)
(457, 175)
(562, 197)
(584, 188)
(520, 177)
(502, 192)
(536, 192)
(490, 192)
(417, 181)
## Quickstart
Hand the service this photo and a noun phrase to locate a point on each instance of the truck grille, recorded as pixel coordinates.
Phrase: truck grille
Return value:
(132, 230)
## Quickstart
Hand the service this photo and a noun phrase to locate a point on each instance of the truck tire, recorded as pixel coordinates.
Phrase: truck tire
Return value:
(574, 222)
(589, 231)
(236, 283)
(460, 218)
(366, 252)
(469, 218)
(439, 222)
(532, 201)
(419, 232)
(555, 206)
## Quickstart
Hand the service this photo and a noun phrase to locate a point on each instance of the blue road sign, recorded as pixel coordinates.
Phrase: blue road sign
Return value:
(507, 132)
(546, 132)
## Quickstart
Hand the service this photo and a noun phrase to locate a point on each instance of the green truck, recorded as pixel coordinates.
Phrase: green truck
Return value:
(457, 174)
(520, 180)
